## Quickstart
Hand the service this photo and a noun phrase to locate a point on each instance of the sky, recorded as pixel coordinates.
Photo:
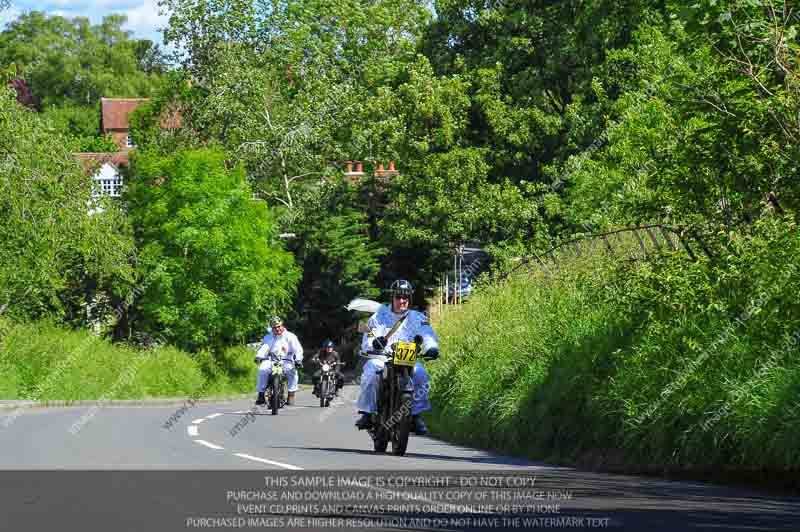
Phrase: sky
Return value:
(143, 17)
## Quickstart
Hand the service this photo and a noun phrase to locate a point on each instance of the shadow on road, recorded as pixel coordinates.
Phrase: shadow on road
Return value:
(483, 459)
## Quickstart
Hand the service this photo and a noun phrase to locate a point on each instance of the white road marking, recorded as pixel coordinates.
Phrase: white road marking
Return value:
(212, 416)
(209, 444)
(271, 462)
(198, 421)
(192, 430)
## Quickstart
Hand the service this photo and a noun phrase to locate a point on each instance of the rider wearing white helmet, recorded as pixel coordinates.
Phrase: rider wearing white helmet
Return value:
(287, 348)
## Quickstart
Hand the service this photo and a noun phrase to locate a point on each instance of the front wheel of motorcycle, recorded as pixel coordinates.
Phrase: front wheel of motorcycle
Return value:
(276, 396)
(403, 427)
(323, 392)
(381, 440)
(284, 393)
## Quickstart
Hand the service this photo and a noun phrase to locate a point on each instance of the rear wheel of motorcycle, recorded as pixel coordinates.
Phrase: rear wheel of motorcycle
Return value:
(276, 396)
(323, 393)
(402, 428)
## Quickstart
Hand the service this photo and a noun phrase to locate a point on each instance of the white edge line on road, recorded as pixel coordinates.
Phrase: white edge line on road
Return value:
(209, 444)
(271, 462)
(198, 421)
(192, 430)
(212, 416)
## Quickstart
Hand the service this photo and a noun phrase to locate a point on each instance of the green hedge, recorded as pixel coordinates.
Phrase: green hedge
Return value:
(665, 364)
(41, 361)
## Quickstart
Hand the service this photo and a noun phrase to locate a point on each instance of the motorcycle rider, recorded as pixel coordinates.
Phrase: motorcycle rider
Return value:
(326, 355)
(404, 325)
(287, 347)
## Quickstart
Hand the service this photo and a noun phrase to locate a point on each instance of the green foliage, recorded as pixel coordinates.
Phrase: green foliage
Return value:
(211, 267)
(46, 362)
(81, 126)
(70, 61)
(339, 263)
(54, 255)
(291, 103)
(694, 140)
(169, 106)
(69, 64)
(670, 362)
(531, 65)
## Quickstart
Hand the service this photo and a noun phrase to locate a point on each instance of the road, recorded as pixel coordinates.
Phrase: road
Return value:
(174, 468)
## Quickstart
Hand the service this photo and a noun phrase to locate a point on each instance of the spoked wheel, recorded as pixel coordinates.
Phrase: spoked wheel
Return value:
(276, 396)
(402, 428)
(284, 395)
(323, 393)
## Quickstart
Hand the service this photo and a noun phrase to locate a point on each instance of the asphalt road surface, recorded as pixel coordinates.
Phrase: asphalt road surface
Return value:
(229, 465)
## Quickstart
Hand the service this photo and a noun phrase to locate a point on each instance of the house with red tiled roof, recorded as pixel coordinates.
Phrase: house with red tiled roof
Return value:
(115, 119)
(105, 168)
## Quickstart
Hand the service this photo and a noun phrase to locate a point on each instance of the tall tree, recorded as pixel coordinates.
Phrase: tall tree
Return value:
(56, 255)
(69, 64)
(214, 267)
(71, 60)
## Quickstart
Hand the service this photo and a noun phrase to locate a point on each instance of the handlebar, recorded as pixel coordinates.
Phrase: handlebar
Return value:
(274, 357)
(371, 354)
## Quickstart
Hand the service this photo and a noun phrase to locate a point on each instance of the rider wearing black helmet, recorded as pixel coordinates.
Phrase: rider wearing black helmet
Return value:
(326, 355)
(396, 322)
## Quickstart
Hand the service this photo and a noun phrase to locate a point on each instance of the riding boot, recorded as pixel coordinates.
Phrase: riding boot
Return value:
(365, 421)
(260, 400)
(290, 399)
(420, 429)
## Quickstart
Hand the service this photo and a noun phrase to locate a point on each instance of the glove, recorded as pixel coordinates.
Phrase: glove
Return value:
(257, 360)
(432, 353)
(379, 343)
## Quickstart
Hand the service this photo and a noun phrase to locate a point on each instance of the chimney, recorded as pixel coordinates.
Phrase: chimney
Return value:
(356, 175)
(391, 171)
(379, 170)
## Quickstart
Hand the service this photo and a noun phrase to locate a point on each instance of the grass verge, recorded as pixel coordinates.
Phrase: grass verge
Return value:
(44, 362)
(660, 366)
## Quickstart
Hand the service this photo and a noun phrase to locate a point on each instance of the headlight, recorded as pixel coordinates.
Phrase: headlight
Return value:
(326, 367)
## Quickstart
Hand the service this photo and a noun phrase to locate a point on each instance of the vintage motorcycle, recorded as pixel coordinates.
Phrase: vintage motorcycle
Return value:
(392, 422)
(277, 393)
(327, 383)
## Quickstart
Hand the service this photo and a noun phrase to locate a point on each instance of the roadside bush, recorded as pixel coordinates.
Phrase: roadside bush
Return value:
(665, 363)
(42, 362)
(214, 267)
(56, 253)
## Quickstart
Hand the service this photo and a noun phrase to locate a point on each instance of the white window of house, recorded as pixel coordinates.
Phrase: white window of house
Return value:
(129, 141)
(108, 182)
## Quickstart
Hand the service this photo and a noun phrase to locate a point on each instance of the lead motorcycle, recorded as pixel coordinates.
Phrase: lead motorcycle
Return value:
(392, 421)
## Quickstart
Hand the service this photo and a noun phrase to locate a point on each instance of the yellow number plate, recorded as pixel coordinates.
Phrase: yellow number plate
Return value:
(405, 354)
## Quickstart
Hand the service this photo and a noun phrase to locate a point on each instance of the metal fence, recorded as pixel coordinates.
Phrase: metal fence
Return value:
(627, 243)
(651, 239)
